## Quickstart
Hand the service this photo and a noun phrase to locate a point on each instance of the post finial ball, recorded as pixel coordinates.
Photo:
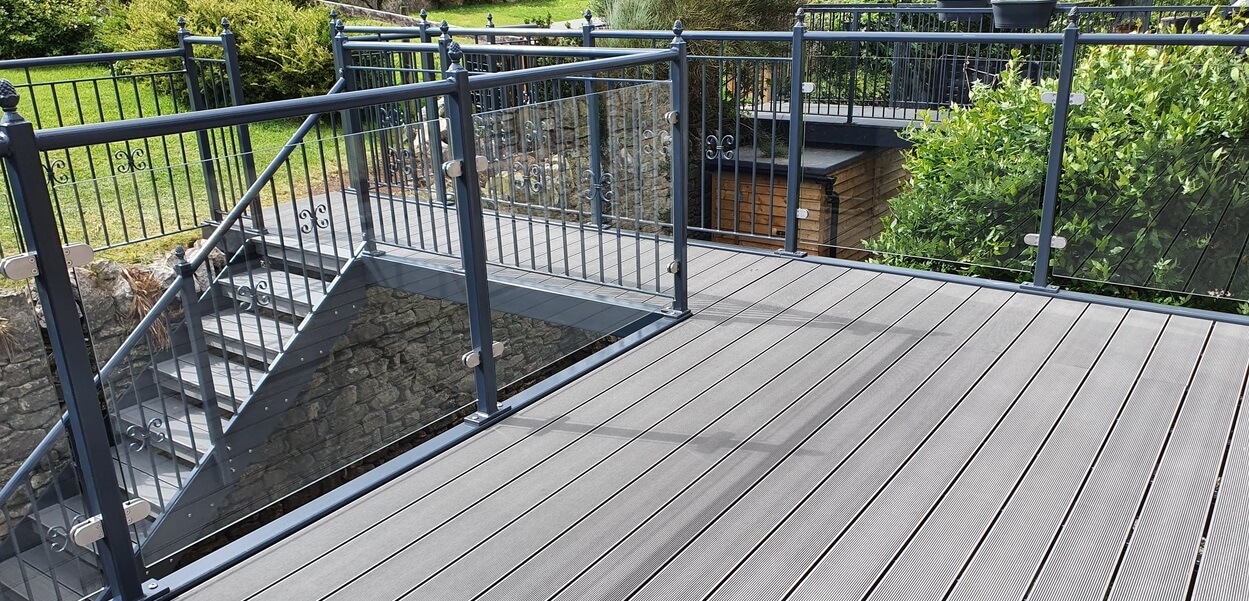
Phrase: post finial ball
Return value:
(8, 96)
(589, 16)
(678, 28)
(455, 53)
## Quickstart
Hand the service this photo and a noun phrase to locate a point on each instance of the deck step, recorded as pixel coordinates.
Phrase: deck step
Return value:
(324, 260)
(251, 335)
(233, 382)
(180, 428)
(151, 476)
(29, 577)
(281, 291)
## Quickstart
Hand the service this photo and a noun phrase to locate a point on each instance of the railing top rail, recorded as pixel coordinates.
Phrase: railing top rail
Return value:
(490, 80)
(204, 39)
(81, 59)
(927, 8)
(434, 31)
(371, 45)
(32, 461)
(102, 133)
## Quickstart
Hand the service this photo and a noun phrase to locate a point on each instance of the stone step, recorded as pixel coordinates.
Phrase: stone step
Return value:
(233, 382)
(319, 260)
(282, 291)
(172, 426)
(149, 475)
(249, 335)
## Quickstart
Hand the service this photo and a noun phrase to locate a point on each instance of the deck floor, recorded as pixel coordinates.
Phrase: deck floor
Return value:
(814, 432)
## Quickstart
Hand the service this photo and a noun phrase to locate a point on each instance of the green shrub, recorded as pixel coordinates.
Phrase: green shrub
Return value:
(30, 28)
(1152, 192)
(284, 51)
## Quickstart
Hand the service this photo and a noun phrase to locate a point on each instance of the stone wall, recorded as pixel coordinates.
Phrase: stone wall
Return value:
(29, 400)
(540, 155)
(397, 370)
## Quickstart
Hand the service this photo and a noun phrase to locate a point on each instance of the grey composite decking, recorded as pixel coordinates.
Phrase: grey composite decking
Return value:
(814, 432)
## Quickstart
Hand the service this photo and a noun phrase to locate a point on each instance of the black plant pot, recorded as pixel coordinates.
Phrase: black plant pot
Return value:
(961, 4)
(1023, 14)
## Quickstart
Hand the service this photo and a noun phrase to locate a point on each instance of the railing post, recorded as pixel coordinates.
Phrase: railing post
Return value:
(1053, 170)
(595, 173)
(229, 45)
(431, 113)
(431, 107)
(353, 132)
(463, 169)
(195, 96)
(199, 348)
(492, 66)
(797, 133)
(87, 429)
(855, 50)
(678, 73)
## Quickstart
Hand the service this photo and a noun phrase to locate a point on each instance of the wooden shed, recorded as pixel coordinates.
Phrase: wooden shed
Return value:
(843, 197)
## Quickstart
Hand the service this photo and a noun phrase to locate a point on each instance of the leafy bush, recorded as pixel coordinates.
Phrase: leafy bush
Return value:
(30, 28)
(1154, 173)
(284, 51)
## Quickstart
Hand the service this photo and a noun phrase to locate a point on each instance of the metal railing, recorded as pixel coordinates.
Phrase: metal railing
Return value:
(860, 78)
(331, 195)
(100, 88)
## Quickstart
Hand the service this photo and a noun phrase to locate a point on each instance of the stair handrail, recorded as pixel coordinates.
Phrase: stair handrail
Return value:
(24, 471)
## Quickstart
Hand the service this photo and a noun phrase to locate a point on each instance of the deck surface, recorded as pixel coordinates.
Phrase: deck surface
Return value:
(814, 432)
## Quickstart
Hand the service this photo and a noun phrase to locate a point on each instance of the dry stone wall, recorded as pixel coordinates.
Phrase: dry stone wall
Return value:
(397, 370)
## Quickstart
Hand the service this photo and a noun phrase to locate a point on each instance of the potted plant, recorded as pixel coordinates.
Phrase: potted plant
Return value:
(962, 16)
(1022, 14)
(968, 16)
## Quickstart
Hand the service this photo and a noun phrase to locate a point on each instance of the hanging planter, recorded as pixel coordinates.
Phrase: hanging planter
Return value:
(961, 4)
(1023, 14)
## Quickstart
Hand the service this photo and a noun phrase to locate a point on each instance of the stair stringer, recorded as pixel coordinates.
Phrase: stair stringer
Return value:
(195, 508)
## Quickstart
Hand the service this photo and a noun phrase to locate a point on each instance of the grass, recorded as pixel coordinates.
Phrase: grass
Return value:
(139, 190)
(512, 13)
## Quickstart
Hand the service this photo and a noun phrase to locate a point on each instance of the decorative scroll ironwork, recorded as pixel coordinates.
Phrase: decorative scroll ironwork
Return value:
(600, 188)
(529, 177)
(721, 147)
(57, 171)
(131, 160)
(393, 117)
(401, 162)
(317, 217)
(58, 536)
(144, 434)
(258, 295)
(537, 136)
(661, 143)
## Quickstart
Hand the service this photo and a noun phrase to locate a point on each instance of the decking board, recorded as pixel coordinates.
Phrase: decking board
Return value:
(818, 432)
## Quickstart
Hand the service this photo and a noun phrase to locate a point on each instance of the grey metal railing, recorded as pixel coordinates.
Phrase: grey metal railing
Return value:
(299, 219)
(118, 86)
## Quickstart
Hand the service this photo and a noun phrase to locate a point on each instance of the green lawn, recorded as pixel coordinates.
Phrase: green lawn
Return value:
(139, 189)
(512, 13)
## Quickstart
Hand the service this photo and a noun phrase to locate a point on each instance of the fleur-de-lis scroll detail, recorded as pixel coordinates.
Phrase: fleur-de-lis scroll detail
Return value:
(130, 160)
(142, 435)
(528, 178)
(602, 188)
(57, 171)
(317, 217)
(721, 147)
(258, 295)
(661, 143)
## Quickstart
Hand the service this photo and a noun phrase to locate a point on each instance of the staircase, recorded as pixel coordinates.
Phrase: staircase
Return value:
(161, 428)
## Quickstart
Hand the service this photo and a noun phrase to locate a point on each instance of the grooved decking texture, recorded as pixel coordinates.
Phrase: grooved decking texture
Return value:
(814, 432)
